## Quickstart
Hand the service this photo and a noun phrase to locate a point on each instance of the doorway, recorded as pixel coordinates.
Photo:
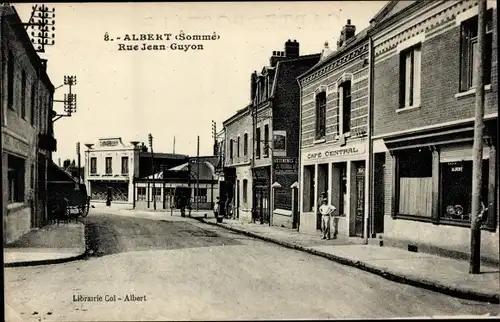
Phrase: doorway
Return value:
(360, 200)
(238, 188)
(378, 194)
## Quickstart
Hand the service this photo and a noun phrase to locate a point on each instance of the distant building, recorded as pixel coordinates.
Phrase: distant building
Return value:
(27, 132)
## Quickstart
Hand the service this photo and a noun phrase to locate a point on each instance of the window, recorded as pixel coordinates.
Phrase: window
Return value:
(124, 165)
(415, 182)
(266, 140)
(10, 82)
(245, 190)
(141, 193)
(410, 77)
(231, 149)
(245, 144)
(456, 190)
(157, 193)
(345, 104)
(23, 94)
(320, 115)
(238, 147)
(109, 165)
(16, 179)
(93, 165)
(257, 143)
(200, 195)
(32, 104)
(469, 51)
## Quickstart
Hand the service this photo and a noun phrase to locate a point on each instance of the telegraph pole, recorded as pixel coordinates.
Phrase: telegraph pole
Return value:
(198, 173)
(79, 163)
(477, 149)
(150, 137)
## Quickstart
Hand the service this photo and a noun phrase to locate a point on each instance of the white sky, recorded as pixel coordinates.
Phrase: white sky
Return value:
(174, 93)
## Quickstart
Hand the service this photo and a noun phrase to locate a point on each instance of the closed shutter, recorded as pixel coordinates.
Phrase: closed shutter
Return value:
(462, 152)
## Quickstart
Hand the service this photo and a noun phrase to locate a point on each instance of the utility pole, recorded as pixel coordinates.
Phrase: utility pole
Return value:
(477, 149)
(79, 163)
(174, 145)
(198, 173)
(150, 137)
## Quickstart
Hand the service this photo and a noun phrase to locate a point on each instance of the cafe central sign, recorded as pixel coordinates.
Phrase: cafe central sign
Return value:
(335, 152)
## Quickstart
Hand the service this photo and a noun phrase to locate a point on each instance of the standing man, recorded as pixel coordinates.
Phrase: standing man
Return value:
(326, 212)
(216, 207)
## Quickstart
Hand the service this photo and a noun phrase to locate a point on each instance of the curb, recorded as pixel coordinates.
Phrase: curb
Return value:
(400, 278)
(51, 261)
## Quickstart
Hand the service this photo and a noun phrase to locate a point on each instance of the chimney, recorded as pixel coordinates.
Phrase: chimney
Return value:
(347, 33)
(253, 85)
(274, 58)
(291, 49)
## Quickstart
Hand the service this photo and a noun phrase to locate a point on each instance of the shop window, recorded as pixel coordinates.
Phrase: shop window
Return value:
(125, 165)
(200, 195)
(16, 179)
(469, 52)
(32, 104)
(320, 115)
(410, 70)
(23, 94)
(109, 165)
(456, 190)
(345, 105)
(10, 81)
(415, 182)
(245, 144)
(266, 141)
(257, 143)
(245, 191)
(157, 193)
(308, 189)
(141, 193)
(93, 165)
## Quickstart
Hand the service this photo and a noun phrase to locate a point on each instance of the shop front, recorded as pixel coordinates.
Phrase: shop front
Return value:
(261, 179)
(285, 175)
(337, 173)
(431, 190)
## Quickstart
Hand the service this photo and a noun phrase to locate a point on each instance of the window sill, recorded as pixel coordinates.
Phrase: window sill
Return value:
(413, 218)
(16, 206)
(472, 91)
(317, 141)
(407, 109)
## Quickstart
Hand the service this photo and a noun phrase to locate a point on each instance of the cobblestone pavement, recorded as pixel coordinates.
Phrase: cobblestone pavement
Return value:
(172, 268)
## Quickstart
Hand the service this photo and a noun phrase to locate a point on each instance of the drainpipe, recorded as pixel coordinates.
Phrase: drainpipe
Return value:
(368, 220)
(299, 163)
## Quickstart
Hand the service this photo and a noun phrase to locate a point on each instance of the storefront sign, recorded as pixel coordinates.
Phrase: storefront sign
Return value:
(15, 145)
(279, 143)
(285, 165)
(336, 152)
(110, 143)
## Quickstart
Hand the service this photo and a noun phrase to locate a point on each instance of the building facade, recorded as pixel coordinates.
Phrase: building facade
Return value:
(238, 157)
(334, 127)
(424, 102)
(275, 96)
(27, 133)
(110, 168)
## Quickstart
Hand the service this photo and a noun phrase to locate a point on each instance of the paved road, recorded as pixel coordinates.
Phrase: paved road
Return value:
(180, 269)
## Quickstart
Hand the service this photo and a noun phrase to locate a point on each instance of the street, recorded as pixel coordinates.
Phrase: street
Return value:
(176, 268)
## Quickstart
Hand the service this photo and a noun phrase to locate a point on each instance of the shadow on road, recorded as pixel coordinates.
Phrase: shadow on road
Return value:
(111, 234)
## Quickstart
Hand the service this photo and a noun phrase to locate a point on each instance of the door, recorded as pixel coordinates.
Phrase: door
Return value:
(238, 199)
(360, 201)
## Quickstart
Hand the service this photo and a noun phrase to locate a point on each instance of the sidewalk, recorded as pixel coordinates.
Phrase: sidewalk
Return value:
(51, 244)
(436, 273)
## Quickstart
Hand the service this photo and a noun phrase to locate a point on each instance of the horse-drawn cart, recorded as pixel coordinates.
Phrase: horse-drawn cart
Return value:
(69, 204)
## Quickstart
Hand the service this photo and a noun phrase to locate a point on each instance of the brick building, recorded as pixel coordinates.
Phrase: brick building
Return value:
(275, 97)
(424, 99)
(333, 140)
(238, 157)
(27, 133)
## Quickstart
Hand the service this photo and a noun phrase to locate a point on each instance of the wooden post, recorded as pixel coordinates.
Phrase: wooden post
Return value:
(477, 149)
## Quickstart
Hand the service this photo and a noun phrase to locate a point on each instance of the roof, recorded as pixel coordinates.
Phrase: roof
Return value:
(57, 174)
(354, 41)
(238, 113)
(288, 61)
(206, 171)
(391, 9)
(160, 155)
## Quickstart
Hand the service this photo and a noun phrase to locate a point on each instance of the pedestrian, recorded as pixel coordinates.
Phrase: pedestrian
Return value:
(216, 207)
(326, 212)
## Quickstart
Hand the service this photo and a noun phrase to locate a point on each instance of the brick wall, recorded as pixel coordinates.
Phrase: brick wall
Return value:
(440, 77)
(241, 125)
(359, 105)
